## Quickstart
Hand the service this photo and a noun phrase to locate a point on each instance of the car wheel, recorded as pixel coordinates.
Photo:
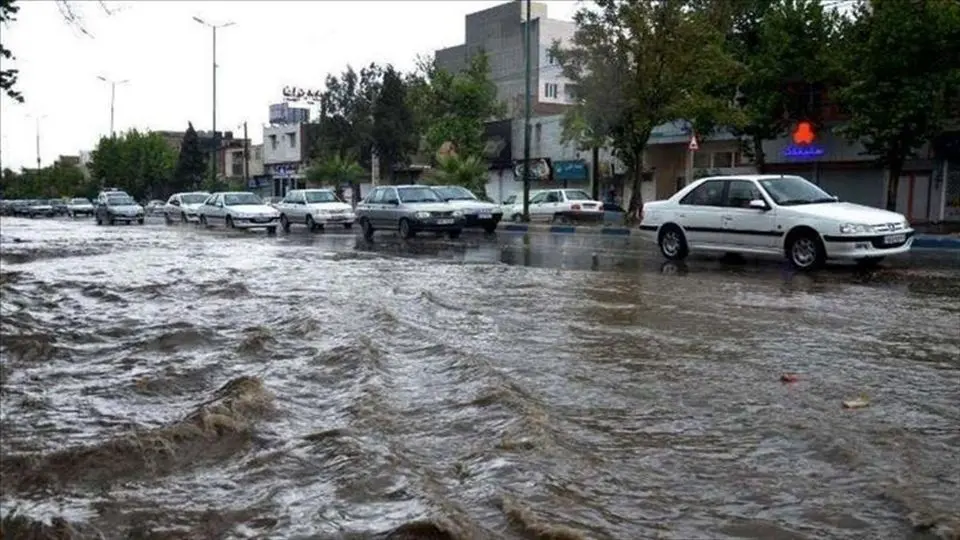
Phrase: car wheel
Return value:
(805, 251)
(139, 221)
(167, 219)
(311, 225)
(405, 230)
(490, 228)
(367, 229)
(284, 223)
(869, 262)
(110, 220)
(229, 222)
(455, 233)
(673, 243)
(560, 218)
(183, 217)
(272, 229)
(203, 221)
(99, 221)
(516, 218)
(348, 225)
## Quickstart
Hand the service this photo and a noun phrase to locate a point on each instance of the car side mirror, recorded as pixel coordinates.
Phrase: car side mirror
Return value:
(758, 204)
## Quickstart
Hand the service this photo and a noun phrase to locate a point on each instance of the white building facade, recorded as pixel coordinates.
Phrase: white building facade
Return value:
(284, 158)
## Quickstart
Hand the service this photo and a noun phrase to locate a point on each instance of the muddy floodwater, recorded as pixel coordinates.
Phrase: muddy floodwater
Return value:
(181, 383)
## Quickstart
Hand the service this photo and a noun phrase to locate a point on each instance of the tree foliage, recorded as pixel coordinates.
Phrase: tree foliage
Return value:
(191, 166)
(394, 132)
(58, 180)
(639, 63)
(336, 170)
(141, 164)
(470, 172)
(8, 77)
(903, 64)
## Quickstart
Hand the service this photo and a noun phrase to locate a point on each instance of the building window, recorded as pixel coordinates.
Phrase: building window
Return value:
(236, 168)
(550, 90)
(273, 142)
(723, 160)
(292, 139)
(551, 59)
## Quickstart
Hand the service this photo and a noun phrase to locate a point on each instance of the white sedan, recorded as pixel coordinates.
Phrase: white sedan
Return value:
(314, 208)
(238, 210)
(773, 214)
(559, 205)
(184, 206)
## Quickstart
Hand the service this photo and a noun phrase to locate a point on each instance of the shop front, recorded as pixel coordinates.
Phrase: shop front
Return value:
(946, 149)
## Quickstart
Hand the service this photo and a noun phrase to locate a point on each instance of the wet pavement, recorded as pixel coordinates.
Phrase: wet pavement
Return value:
(228, 384)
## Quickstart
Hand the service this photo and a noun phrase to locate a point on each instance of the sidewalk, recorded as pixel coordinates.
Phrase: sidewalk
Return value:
(920, 241)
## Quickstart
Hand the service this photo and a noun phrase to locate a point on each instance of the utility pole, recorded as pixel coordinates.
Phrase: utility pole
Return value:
(37, 118)
(526, 118)
(113, 96)
(246, 156)
(216, 140)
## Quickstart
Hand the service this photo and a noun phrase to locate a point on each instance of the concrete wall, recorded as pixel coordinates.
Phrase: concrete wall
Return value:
(282, 144)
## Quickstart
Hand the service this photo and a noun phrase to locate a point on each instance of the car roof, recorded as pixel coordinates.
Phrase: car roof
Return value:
(756, 177)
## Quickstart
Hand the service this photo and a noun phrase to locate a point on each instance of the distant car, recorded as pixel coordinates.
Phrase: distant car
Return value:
(117, 206)
(79, 207)
(315, 208)
(272, 201)
(154, 207)
(476, 213)
(512, 206)
(184, 207)
(560, 205)
(773, 214)
(408, 209)
(59, 206)
(238, 210)
(39, 207)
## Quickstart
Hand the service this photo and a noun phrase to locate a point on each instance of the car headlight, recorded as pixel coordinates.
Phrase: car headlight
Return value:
(422, 215)
(855, 228)
(242, 216)
(457, 213)
(905, 224)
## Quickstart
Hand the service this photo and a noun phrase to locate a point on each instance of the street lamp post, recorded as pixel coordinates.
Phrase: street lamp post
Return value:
(113, 96)
(216, 146)
(526, 117)
(37, 118)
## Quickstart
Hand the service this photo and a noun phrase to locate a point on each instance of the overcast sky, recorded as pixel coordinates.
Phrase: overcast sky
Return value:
(166, 56)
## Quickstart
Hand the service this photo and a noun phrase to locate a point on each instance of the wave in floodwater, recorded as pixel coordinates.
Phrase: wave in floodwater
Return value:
(158, 381)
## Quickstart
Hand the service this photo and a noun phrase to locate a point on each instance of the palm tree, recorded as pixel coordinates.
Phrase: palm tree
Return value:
(335, 171)
(467, 171)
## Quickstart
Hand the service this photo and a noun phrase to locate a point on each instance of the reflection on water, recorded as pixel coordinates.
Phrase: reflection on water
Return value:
(319, 385)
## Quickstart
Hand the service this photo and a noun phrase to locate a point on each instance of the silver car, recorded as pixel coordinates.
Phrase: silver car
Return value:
(113, 206)
(408, 209)
(315, 208)
(238, 210)
(476, 213)
(184, 207)
(79, 207)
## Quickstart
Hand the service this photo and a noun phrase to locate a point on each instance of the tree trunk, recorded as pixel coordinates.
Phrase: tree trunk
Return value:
(894, 168)
(759, 158)
(636, 197)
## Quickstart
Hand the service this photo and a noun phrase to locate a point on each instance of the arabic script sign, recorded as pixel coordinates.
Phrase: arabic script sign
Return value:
(803, 146)
(294, 93)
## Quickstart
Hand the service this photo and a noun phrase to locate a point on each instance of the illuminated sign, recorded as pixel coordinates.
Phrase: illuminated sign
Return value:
(803, 143)
(293, 93)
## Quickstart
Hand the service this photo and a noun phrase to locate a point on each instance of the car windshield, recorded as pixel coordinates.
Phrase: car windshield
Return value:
(79, 201)
(236, 199)
(455, 193)
(194, 198)
(794, 190)
(320, 196)
(577, 195)
(510, 199)
(120, 200)
(417, 194)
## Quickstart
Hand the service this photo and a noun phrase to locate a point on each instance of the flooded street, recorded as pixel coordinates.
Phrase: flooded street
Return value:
(210, 384)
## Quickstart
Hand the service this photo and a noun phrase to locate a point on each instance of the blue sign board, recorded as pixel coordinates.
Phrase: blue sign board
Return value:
(575, 169)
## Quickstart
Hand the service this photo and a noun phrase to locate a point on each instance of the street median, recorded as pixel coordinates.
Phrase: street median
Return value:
(921, 241)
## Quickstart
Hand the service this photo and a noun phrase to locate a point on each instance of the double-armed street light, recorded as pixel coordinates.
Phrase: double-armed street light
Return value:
(214, 27)
(113, 96)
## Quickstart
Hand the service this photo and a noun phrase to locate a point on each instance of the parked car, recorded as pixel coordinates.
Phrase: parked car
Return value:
(154, 207)
(272, 201)
(560, 205)
(476, 213)
(315, 208)
(80, 207)
(238, 210)
(115, 205)
(59, 206)
(184, 207)
(39, 207)
(20, 208)
(408, 209)
(773, 214)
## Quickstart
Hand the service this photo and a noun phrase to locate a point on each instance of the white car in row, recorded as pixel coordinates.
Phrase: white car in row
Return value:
(556, 205)
(315, 208)
(773, 214)
(184, 207)
(238, 210)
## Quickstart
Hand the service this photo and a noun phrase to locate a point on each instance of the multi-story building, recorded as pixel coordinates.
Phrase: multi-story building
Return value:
(285, 156)
(499, 33)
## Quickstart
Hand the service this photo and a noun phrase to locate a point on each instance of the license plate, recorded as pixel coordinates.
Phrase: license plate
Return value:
(484, 216)
(260, 220)
(895, 239)
(444, 222)
(336, 218)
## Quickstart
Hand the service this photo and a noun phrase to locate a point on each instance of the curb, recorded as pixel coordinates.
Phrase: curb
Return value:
(921, 241)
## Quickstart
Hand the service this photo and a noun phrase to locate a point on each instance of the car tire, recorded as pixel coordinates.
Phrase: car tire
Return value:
(673, 243)
(99, 221)
(203, 221)
(805, 251)
(869, 262)
(110, 220)
(167, 219)
(284, 223)
(311, 225)
(139, 221)
(367, 228)
(516, 218)
(348, 225)
(405, 230)
(228, 222)
(561, 219)
(490, 228)
(183, 217)
(272, 229)
(455, 233)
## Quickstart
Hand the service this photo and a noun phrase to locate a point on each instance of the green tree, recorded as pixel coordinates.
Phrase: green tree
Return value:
(335, 171)
(57, 180)
(456, 107)
(346, 115)
(394, 132)
(191, 166)
(640, 63)
(139, 163)
(903, 61)
(8, 77)
(470, 172)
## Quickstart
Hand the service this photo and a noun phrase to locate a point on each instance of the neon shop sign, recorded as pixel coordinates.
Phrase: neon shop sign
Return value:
(803, 146)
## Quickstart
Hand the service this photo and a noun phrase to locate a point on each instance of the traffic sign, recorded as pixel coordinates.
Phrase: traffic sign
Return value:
(694, 146)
